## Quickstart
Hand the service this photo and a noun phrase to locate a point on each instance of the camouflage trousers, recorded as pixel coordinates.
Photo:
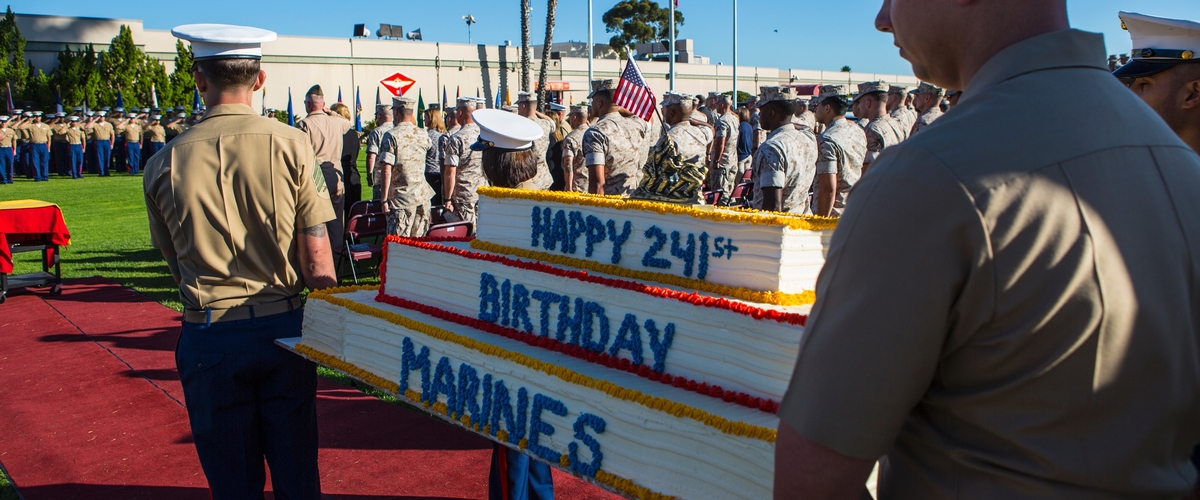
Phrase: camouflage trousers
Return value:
(466, 211)
(412, 222)
(729, 176)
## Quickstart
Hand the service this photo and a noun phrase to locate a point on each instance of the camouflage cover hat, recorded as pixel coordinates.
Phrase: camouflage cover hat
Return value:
(602, 86)
(675, 99)
(928, 89)
(526, 97)
(776, 94)
(829, 91)
(315, 90)
(464, 101)
(898, 90)
(721, 98)
(872, 87)
(434, 107)
(952, 93)
(383, 108)
(578, 109)
(404, 102)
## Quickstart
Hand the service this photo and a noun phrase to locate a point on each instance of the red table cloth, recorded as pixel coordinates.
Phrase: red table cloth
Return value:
(31, 222)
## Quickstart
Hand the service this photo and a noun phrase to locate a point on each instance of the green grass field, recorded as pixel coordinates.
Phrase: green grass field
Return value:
(111, 238)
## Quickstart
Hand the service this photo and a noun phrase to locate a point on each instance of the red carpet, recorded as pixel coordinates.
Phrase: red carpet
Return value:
(91, 407)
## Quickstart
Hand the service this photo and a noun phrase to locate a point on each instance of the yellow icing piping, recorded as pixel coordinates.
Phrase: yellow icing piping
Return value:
(679, 410)
(746, 294)
(802, 222)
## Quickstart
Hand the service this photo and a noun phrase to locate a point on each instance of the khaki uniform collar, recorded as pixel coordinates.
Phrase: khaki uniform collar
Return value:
(228, 109)
(1060, 49)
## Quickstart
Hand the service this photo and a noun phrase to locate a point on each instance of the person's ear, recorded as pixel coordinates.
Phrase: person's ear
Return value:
(1191, 95)
(260, 81)
(201, 81)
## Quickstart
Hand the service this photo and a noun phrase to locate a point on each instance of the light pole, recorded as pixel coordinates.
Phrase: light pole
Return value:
(671, 50)
(470, 20)
(590, 48)
(734, 98)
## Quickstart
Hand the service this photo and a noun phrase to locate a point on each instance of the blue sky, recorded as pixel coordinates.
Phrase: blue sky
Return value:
(772, 33)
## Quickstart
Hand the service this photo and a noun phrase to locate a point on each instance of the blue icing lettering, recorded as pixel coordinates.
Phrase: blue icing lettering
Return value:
(686, 253)
(502, 411)
(538, 428)
(443, 383)
(629, 336)
(485, 408)
(660, 347)
(576, 227)
(409, 361)
(597, 424)
(618, 240)
(703, 270)
(558, 232)
(489, 298)
(660, 241)
(567, 321)
(520, 306)
(505, 302)
(547, 299)
(468, 387)
(541, 225)
(591, 309)
(595, 234)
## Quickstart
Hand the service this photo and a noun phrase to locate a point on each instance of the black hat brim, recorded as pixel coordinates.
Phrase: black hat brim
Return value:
(1143, 68)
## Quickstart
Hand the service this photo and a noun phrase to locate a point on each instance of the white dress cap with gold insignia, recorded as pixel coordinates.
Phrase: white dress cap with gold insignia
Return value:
(1159, 44)
(224, 41)
(499, 129)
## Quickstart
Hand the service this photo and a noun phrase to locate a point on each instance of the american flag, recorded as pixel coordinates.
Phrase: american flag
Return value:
(633, 93)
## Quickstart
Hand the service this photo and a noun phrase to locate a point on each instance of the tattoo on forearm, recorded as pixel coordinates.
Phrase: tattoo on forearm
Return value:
(317, 231)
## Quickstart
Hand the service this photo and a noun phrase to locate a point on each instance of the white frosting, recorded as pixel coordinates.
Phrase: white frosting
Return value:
(711, 345)
(768, 257)
(671, 455)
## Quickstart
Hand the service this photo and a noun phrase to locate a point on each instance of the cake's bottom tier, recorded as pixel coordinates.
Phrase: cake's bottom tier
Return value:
(638, 437)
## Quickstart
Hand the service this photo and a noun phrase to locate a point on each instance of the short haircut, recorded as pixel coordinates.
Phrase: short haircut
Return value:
(508, 167)
(608, 94)
(838, 104)
(230, 74)
(782, 108)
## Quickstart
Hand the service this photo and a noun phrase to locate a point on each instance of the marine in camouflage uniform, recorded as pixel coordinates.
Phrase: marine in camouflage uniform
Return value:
(691, 141)
(786, 160)
(841, 148)
(572, 148)
(725, 168)
(467, 164)
(804, 119)
(928, 102)
(615, 142)
(898, 111)
(526, 106)
(882, 130)
(383, 123)
(403, 152)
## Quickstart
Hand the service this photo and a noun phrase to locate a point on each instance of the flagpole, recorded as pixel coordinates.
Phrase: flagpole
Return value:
(590, 47)
(671, 20)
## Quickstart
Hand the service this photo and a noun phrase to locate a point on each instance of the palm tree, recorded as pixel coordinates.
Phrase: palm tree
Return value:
(551, 6)
(846, 70)
(526, 50)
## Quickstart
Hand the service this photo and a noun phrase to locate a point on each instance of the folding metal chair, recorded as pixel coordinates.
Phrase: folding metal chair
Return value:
(460, 229)
(359, 228)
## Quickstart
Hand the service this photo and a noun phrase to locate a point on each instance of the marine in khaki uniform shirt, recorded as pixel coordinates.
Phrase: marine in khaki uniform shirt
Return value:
(927, 100)
(786, 162)
(465, 164)
(155, 132)
(614, 143)
(131, 131)
(326, 133)
(238, 206)
(572, 150)
(406, 192)
(993, 316)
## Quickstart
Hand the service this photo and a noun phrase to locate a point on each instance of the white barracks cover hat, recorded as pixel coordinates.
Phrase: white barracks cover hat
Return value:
(1159, 44)
(500, 129)
(224, 41)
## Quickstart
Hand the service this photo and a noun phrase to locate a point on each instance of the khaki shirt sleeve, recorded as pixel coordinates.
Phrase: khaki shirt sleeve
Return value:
(160, 234)
(313, 207)
(904, 263)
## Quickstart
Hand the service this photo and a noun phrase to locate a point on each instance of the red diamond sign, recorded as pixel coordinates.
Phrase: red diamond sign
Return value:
(397, 84)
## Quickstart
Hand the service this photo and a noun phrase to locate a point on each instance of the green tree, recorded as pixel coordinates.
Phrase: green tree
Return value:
(638, 21)
(181, 81)
(38, 89)
(119, 67)
(77, 76)
(14, 69)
